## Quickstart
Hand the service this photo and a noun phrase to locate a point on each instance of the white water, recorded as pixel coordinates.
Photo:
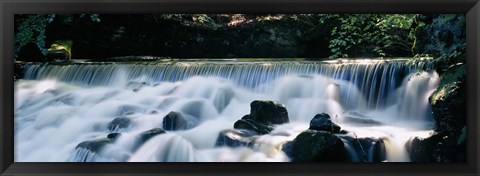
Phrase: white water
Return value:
(56, 111)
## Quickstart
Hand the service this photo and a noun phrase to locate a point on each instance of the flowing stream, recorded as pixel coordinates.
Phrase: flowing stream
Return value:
(59, 106)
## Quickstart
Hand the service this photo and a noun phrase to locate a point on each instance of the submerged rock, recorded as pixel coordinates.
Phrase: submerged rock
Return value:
(319, 146)
(322, 122)
(97, 144)
(147, 135)
(127, 110)
(365, 149)
(114, 136)
(119, 123)
(359, 119)
(91, 150)
(136, 86)
(236, 138)
(177, 121)
(222, 98)
(247, 123)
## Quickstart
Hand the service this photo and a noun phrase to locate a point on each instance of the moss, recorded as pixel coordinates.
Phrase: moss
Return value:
(63, 46)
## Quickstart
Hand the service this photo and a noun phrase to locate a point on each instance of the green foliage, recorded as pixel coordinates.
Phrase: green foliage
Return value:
(443, 37)
(32, 29)
(369, 35)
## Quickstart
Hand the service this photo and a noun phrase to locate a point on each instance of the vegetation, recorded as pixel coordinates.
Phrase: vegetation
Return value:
(239, 35)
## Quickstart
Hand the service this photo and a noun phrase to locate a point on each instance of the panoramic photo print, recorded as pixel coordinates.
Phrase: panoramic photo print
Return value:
(240, 88)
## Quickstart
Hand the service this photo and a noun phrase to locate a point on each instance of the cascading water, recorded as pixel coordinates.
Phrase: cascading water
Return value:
(59, 106)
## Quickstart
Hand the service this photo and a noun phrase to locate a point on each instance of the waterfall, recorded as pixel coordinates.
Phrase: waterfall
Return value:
(59, 106)
(375, 79)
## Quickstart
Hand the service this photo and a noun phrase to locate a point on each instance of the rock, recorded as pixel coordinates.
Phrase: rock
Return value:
(114, 136)
(136, 86)
(147, 135)
(359, 119)
(263, 115)
(177, 121)
(127, 110)
(268, 112)
(119, 123)
(448, 102)
(439, 147)
(19, 70)
(317, 146)
(236, 138)
(60, 51)
(365, 149)
(95, 145)
(322, 122)
(249, 124)
(222, 98)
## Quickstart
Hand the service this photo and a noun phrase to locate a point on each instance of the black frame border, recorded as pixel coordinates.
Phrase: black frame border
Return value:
(10, 7)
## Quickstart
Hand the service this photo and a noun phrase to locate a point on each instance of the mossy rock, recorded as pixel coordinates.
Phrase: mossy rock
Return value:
(61, 49)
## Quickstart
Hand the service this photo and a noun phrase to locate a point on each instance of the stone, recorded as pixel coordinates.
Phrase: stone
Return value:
(236, 138)
(322, 122)
(268, 112)
(316, 146)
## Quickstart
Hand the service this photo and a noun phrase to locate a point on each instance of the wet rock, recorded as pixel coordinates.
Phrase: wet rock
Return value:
(136, 86)
(263, 115)
(222, 98)
(95, 145)
(448, 102)
(127, 109)
(268, 112)
(249, 124)
(359, 119)
(439, 147)
(119, 123)
(316, 146)
(114, 136)
(365, 149)
(322, 122)
(177, 121)
(236, 138)
(147, 135)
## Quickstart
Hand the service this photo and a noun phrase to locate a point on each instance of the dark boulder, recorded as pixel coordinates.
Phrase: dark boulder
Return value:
(147, 135)
(236, 138)
(322, 122)
(97, 144)
(247, 123)
(119, 123)
(114, 136)
(268, 112)
(263, 115)
(448, 102)
(439, 147)
(317, 146)
(177, 121)
(365, 149)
